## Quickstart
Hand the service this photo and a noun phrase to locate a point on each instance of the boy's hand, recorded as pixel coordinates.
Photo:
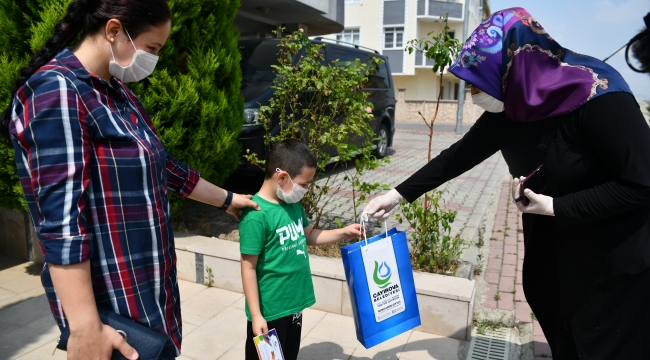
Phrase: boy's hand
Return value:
(352, 232)
(259, 326)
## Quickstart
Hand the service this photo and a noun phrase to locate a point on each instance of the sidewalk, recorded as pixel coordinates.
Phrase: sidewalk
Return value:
(469, 193)
(504, 270)
(214, 326)
(214, 321)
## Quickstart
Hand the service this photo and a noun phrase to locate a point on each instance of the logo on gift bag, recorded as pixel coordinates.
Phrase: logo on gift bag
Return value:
(382, 280)
(384, 283)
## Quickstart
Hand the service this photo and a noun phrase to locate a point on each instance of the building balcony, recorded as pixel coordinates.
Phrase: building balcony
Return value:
(432, 10)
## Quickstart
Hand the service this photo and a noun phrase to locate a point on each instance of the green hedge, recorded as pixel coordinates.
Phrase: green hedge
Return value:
(193, 97)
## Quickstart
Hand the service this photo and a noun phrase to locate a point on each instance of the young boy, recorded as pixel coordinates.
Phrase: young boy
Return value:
(273, 245)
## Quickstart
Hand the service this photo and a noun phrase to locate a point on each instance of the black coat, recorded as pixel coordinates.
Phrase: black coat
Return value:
(585, 272)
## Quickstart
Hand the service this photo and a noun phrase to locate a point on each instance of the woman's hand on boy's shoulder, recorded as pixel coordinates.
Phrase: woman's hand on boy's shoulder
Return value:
(352, 232)
(241, 202)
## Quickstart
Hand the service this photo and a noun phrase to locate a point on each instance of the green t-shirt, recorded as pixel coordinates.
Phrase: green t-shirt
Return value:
(276, 234)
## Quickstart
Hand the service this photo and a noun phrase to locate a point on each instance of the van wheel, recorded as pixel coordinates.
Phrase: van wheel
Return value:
(382, 143)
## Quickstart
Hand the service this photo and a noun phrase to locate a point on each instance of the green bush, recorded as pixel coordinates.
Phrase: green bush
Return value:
(25, 26)
(434, 249)
(193, 97)
(323, 105)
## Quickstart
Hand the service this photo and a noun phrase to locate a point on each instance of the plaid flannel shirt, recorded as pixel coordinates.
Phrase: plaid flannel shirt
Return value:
(95, 177)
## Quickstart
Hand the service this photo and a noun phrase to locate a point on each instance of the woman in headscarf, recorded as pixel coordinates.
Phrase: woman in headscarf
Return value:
(587, 234)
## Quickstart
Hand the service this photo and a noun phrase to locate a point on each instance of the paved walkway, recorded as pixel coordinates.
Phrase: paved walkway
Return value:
(504, 270)
(469, 194)
(211, 316)
(214, 326)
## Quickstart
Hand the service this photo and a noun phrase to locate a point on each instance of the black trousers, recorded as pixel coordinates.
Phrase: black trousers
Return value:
(585, 313)
(542, 288)
(289, 329)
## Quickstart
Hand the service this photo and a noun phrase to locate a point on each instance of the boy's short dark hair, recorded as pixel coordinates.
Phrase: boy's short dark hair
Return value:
(290, 156)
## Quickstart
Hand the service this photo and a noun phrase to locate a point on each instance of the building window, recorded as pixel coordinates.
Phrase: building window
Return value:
(349, 35)
(393, 37)
(352, 1)
(452, 34)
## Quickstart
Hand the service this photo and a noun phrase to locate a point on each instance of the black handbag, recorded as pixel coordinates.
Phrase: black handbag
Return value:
(148, 343)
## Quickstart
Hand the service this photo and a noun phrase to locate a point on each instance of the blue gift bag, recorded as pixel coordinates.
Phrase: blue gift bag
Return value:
(382, 291)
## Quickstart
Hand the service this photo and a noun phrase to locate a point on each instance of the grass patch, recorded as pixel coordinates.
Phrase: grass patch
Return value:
(481, 241)
(478, 269)
(209, 278)
(483, 326)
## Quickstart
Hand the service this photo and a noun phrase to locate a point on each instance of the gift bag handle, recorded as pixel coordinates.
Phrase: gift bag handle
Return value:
(362, 223)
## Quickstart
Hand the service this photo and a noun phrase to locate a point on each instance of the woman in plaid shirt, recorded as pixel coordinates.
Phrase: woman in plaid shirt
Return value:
(96, 176)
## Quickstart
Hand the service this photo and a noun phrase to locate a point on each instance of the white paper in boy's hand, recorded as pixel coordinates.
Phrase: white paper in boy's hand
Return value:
(268, 347)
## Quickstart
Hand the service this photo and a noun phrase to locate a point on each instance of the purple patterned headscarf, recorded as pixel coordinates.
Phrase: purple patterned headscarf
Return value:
(512, 58)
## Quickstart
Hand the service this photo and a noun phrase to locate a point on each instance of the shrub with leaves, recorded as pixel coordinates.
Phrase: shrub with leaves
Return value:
(25, 26)
(323, 104)
(434, 249)
(194, 96)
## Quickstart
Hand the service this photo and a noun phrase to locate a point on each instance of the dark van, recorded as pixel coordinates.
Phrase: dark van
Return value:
(259, 55)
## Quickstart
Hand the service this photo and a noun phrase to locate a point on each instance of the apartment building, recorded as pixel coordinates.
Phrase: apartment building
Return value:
(387, 26)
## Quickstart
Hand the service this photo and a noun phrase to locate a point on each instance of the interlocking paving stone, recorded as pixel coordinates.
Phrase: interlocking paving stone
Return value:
(504, 271)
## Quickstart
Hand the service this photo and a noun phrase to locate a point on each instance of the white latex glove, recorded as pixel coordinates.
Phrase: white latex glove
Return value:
(539, 204)
(380, 207)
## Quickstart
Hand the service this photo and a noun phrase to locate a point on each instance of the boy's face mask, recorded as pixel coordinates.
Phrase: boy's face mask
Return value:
(296, 194)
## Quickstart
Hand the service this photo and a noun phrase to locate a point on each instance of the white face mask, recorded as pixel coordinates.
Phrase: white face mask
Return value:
(141, 66)
(296, 194)
(487, 102)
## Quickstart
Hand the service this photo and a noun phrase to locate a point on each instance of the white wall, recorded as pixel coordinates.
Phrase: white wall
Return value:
(367, 17)
(424, 85)
(410, 32)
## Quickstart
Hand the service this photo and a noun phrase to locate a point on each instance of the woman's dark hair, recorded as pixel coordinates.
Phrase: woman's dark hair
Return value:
(641, 50)
(88, 17)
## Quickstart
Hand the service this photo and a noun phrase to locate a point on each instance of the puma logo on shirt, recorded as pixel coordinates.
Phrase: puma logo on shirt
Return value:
(291, 231)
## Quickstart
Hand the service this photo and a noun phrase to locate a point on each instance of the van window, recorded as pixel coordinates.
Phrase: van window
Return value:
(379, 80)
(345, 55)
(257, 59)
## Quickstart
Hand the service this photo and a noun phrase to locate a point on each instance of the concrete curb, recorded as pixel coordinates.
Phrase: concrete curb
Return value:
(446, 303)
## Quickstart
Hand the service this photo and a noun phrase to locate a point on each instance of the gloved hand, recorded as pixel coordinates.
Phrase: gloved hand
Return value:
(539, 204)
(380, 207)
